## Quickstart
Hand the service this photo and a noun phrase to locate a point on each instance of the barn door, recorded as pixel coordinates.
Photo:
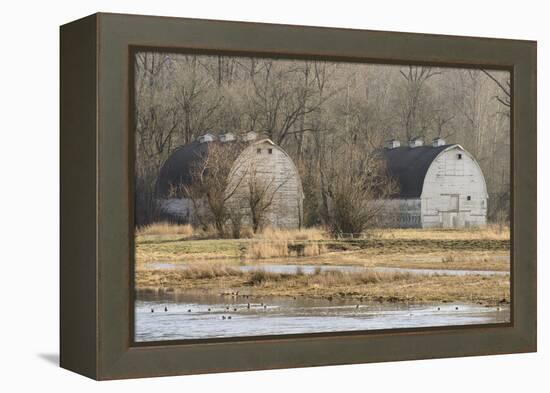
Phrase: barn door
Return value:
(446, 219)
(454, 203)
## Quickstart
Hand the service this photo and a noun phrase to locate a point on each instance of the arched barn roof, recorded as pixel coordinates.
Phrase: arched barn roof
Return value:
(409, 165)
(178, 168)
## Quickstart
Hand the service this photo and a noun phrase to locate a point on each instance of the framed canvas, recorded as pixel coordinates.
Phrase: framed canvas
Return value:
(242, 196)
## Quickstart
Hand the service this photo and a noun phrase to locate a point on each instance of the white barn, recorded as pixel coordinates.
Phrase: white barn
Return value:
(440, 185)
(260, 158)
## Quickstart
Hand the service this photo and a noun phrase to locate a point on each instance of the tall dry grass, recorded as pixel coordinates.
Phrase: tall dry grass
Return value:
(489, 232)
(209, 270)
(328, 278)
(283, 248)
(282, 243)
(166, 228)
(292, 234)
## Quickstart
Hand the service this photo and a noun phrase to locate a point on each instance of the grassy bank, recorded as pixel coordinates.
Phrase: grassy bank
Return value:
(212, 263)
(367, 285)
(471, 249)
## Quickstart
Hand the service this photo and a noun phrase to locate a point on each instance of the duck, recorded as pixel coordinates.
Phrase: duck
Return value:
(152, 310)
(165, 309)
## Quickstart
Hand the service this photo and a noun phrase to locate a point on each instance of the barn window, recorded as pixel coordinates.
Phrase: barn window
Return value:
(459, 156)
(258, 151)
(270, 151)
(468, 198)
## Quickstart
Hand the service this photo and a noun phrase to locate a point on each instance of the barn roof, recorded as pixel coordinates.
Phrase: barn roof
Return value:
(409, 166)
(178, 168)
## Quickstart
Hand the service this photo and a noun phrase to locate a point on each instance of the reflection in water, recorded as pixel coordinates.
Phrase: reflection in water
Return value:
(202, 315)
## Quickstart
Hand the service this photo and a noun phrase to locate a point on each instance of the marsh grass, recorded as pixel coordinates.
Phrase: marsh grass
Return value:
(210, 270)
(490, 232)
(368, 284)
(166, 228)
(326, 278)
(283, 249)
(272, 234)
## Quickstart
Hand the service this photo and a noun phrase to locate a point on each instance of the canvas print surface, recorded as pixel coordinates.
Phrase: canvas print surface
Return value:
(288, 196)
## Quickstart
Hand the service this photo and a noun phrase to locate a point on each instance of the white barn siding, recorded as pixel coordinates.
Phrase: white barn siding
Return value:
(272, 166)
(449, 182)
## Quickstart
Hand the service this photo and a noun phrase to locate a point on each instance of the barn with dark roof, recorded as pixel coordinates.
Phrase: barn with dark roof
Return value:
(258, 160)
(440, 185)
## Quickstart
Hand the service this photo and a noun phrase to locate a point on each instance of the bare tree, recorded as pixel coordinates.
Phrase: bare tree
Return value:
(356, 187)
(212, 185)
(261, 193)
(415, 99)
(505, 89)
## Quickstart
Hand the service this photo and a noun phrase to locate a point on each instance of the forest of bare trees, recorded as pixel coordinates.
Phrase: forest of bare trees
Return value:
(328, 116)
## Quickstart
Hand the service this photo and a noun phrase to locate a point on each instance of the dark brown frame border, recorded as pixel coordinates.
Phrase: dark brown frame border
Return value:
(96, 221)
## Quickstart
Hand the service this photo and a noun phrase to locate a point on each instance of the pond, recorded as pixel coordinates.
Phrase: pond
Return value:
(200, 315)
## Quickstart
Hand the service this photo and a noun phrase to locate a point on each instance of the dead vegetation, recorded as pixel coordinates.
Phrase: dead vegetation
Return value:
(367, 285)
(469, 249)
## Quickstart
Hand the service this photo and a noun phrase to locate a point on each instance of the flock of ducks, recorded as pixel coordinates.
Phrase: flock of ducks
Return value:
(227, 308)
(264, 306)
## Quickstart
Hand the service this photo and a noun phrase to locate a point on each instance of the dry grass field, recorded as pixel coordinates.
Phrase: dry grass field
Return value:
(368, 285)
(212, 264)
(471, 249)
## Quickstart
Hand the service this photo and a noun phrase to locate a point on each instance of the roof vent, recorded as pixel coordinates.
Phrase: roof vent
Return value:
(392, 144)
(227, 137)
(438, 142)
(250, 136)
(416, 142)
(206, 138)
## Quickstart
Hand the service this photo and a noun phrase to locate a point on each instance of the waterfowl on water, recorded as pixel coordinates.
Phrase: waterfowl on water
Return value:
(209, 310)
(438, 309)
(165, 309)
(456, 308)
(235, 309)
(152, 310)
(248, 305)
(229, 317)
(189, 310)
(265, 307)
(223, 317)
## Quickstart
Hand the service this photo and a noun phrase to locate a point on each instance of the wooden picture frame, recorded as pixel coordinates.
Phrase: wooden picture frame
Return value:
(97, 196)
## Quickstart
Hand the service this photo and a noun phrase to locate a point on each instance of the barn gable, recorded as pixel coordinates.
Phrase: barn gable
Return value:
(267, 160)
(440, 185)
(409, 165)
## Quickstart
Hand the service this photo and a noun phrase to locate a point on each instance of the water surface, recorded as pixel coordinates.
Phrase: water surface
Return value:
(197, 315)
(311, 269)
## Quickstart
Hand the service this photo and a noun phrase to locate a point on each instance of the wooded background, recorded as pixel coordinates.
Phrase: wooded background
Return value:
(320, 112)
